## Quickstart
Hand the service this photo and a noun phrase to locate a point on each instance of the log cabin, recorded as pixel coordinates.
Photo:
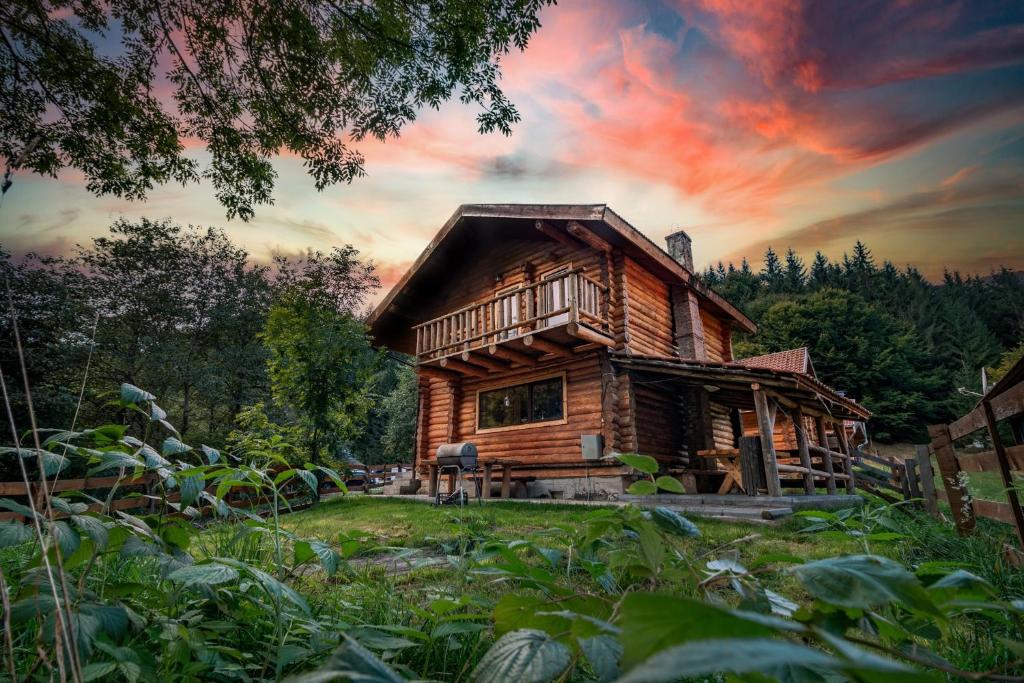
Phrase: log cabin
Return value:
(556, 336)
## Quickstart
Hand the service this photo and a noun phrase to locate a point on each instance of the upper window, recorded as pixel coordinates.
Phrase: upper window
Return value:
(522, 404)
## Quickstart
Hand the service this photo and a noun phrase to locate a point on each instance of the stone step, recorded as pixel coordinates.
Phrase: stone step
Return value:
(738, 512)
(764, 502)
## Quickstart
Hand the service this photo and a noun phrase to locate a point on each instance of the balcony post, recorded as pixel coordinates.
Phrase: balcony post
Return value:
(530, 309)
(574, 314)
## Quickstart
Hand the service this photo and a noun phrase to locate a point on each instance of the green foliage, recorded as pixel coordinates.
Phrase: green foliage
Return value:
(141, 592)
(320, 365)
(77, 85)
(1007, 361)
(857, 347)
(901, 345)
(400, 408)
(177, 310)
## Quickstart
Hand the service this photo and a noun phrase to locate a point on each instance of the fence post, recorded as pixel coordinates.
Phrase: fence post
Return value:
(956, 492)
(910, 469)
(1004, 471)
(927, 480)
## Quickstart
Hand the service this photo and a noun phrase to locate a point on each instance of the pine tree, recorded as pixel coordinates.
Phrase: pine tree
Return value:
(819, 276)
(771, 274)
(861, 270)
(795, 275)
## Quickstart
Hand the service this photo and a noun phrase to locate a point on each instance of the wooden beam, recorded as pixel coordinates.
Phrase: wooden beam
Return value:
(545, 345)
(516, 357)
(463, 368)
(487, 363)
(588, 347)
(588, 335)
(554, 233)
(764, 424)
(805, 453)
(945, 457)
(435, 372)
(1004, 470)
(586, 235)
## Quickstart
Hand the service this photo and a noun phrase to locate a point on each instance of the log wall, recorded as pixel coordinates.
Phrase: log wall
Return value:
(657, 409)
(649, 312)
(546, 445)
(721, 425)
(630, 416)
(783, 436)
(717, 338)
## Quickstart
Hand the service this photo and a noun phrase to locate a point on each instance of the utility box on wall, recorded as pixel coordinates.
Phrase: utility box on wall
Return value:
(592, 446)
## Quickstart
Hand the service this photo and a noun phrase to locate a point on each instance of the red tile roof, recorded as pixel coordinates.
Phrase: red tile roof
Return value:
(790, 360)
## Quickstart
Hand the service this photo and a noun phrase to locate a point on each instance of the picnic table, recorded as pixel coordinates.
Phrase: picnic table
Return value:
(728, 461)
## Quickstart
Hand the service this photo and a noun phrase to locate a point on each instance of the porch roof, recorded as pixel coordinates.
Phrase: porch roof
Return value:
(733, 381)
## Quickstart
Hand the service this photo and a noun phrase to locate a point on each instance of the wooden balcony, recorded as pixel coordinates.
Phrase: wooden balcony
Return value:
(554, 317)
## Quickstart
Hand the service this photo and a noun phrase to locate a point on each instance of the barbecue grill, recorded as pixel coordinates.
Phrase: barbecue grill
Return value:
(456, 454)
(456, 458)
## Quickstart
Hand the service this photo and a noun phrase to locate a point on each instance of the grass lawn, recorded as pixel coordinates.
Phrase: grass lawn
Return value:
(413, 524)
(370, 595)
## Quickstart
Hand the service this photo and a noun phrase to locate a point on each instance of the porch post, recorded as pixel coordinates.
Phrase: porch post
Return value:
(765, 426)
(805, 453)
(819, 422)
(844, 445)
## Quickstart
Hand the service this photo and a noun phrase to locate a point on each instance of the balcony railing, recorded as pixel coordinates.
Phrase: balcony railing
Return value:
(567, 299)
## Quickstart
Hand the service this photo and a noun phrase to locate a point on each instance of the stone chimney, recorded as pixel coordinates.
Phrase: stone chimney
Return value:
(680, 248)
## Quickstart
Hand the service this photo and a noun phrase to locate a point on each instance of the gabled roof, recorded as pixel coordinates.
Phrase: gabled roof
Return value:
(790, 360)
(394, 316)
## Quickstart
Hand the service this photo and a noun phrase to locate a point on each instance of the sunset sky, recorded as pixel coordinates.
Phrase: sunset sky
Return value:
(785, 123)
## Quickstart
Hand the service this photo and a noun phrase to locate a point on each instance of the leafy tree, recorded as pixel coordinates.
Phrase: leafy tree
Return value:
(1006, 361)
(400, 428)
(249, 79)
(389, 392)
(741, 284)
(859, 348)
(320, 367)
(179, 310)
(55, 331)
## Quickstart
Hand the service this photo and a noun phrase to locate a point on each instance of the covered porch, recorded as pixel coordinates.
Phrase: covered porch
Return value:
(785, 430)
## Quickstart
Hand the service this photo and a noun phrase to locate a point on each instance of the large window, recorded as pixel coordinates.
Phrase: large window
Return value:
(522, 404)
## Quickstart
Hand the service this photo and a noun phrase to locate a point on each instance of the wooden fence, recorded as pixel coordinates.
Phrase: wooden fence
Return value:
(139, 494)
(1002, 406)
(894, 479)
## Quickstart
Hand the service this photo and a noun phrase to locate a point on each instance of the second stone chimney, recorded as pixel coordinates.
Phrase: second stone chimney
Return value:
(680, 248)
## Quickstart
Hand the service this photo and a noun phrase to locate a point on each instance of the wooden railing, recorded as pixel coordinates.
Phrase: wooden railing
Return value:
(571, 297)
